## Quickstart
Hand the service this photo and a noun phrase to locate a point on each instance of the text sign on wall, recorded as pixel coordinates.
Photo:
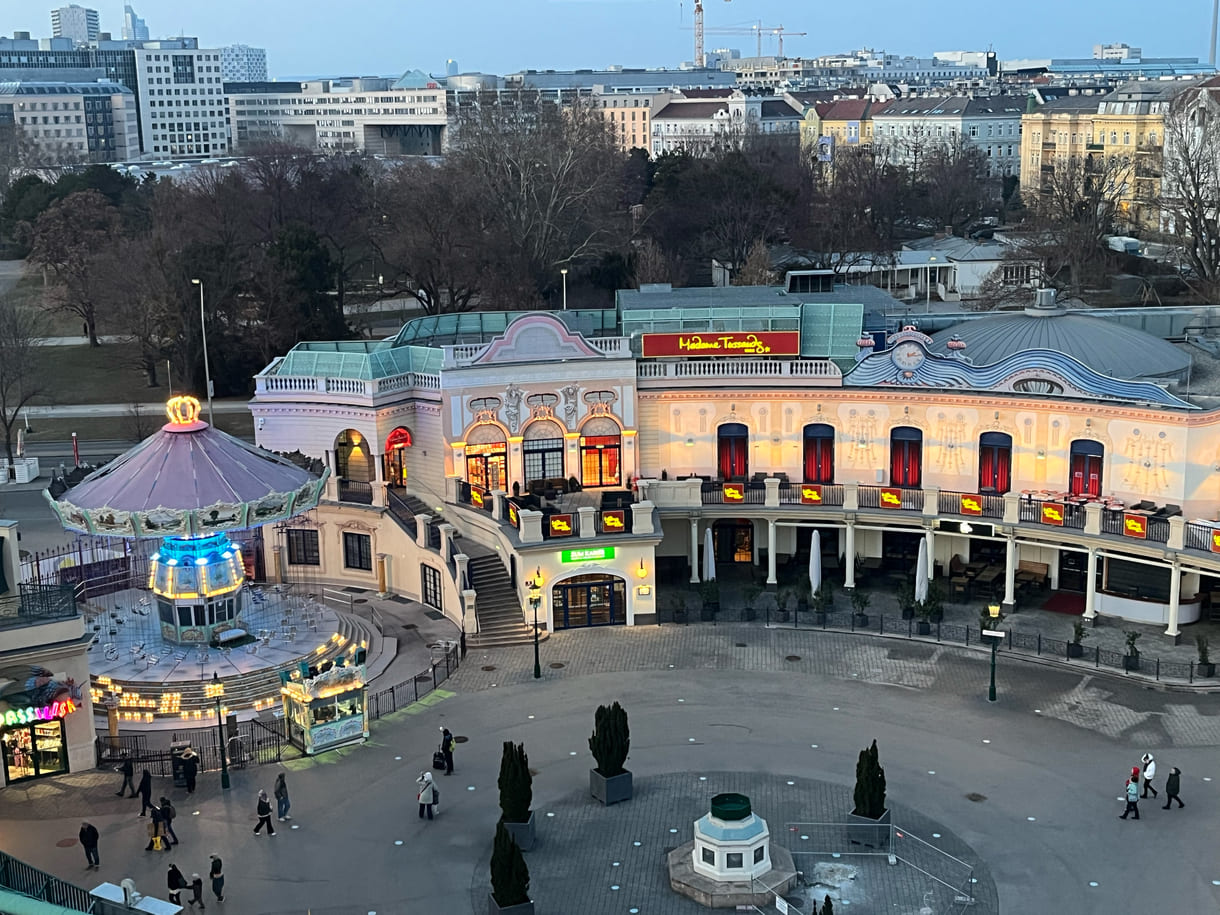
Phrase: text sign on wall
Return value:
(1052, 513)
(734, 492)
(30, 714)
(891, 498)
(589, 554)
(763, 343)
(561, 525)
(614, 521)
(811, 494)
(1216, 541)
(513, 518)
(971, 505)
(1135, 526)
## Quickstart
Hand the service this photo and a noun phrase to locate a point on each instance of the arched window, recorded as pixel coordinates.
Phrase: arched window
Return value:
(1085, 467)
(353, 459)
(543, 451)
(995, 462)
(486, 457)
(906, 454)
(732, 451)
(819, 453)
(600, 452)
(395, 457)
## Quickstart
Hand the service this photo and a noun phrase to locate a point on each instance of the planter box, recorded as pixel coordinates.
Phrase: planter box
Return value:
(522, 833)
(1131, 662)
(869, 832)
(1206, 670)
(610, 790)
(1075, 650)
(522, 908)
(923, 627)
(861, 620)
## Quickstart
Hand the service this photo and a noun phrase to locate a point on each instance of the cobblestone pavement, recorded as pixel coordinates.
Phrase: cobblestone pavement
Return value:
(1027, 787)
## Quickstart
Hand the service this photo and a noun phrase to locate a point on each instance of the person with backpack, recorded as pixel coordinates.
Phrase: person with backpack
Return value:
(447, 745)
(1133, 794)
(167, 818)
(176, 884)
(427, 794)
(264, 815)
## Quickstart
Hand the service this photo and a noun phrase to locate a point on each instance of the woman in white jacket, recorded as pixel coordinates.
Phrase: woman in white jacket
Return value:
(427, 794)
(1149, 773)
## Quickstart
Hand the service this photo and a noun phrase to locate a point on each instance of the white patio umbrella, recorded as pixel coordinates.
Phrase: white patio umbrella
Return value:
(921, 571)
(815, 562)
(709, 557)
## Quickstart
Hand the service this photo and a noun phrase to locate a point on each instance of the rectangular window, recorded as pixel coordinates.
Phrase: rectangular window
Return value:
(303, 548)
(357, 551)
(430, 586)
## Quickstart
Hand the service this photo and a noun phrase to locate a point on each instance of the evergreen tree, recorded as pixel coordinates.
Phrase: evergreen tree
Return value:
(510, 878)
(516, 784)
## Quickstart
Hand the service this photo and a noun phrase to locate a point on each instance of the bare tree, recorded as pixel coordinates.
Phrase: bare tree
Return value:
(650, 263)
(1190, 187)
(22, 372)
(952, 186)
(756, 271)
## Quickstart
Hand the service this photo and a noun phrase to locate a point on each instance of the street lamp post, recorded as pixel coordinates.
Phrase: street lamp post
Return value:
(994, 636)
(207, 371)
(563, 271)
(536, 599)
(218, 690)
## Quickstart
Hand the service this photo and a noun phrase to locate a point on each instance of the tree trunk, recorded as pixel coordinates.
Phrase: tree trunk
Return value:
(91, 328)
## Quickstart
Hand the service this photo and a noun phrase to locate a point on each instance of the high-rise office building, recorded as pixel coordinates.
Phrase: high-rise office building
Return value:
(75, 22)
(134, 28)
(243, 64)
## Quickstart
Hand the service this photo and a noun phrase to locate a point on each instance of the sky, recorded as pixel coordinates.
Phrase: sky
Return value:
(388, 37)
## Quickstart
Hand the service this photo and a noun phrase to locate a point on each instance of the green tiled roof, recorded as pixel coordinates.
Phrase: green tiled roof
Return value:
(364, 360)
(484, 326)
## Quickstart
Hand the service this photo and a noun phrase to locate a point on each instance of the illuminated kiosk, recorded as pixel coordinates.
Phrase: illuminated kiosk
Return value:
(326, 706)
(198, 586)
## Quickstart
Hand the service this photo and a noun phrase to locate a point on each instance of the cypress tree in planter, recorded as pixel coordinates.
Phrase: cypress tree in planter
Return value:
(510, 878)
(870, 819)
(517, 794)
(1131, 659)
(1206, 667)
(610, 782)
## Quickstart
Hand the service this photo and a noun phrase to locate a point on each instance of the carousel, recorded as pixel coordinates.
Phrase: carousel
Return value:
(183, 613)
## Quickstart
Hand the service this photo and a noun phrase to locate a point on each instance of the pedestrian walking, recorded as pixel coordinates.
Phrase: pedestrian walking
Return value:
(1149, 773)
(197, 891)
(281, 798)
(145, 791)
(447, 745)
(427, 794)
(1133, 794)
(129, 770)
(88, 841)
(176, 884)
(190, 768)
(217, 875)
(1173, 783)
(167, 818)
(264, 814)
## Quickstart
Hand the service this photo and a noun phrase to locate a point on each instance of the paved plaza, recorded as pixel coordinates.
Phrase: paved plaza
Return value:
(1025, 790)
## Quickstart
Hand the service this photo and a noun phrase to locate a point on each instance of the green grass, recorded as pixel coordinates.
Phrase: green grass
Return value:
(102, 374)
(123, 428)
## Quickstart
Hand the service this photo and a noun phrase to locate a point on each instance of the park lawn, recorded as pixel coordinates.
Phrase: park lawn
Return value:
(101, 374)
(123, 428)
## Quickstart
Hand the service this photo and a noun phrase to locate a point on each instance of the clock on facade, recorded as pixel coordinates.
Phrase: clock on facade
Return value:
(908, 356)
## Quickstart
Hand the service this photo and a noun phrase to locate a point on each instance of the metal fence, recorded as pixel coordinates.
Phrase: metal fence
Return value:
(248, 743)
(30, 881)
(445, 661)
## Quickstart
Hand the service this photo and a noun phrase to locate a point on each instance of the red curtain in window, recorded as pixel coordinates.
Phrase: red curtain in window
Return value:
(994, 469)
(819, 460)
(987, 469)
(1086, 475)
(904, 463)
(1003, 470)
(732, 457)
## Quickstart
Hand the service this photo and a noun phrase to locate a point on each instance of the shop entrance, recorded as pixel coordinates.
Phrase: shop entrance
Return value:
(34, 750)
(590, 600)
(734, 540)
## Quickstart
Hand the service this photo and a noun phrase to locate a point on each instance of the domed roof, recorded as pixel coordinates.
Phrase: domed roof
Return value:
(1107, 347)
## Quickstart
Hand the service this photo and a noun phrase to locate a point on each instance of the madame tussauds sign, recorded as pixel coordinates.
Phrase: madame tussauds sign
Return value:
(769, 343)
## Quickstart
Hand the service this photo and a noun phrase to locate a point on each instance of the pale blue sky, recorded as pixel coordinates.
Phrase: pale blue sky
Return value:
(500, 36)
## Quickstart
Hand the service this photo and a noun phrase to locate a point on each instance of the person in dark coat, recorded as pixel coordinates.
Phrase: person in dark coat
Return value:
(176, 884)
(129, 770)
(167, 818)
(447, 744)
(88, 841)
(282, 802)
(1173, 782)
(197, 891)
(217, 874)
(190, 768)
(264, 814)
(145, 790)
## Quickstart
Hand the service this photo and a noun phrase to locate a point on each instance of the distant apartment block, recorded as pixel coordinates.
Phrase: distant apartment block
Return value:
(374, 115)
(1116, 52)
(700, 121)
(75, 22)
(134, 28)
(240, 63)
(73, 122)
(629, 114)
(908, 127)
(182, 103)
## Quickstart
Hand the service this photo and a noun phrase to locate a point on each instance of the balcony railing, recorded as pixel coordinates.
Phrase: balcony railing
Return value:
(751, 493)
(821, 369)
(356, 492)
(1200, 537)
(885, 496)
(794, 494)
(958, 503)
(345, 387)
(35, 604)
(1048, 513)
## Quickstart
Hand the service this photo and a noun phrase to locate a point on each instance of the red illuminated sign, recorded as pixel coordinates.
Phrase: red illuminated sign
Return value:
(891, 498)
(476, 498)
(734, 492)
(1052, 513)
(1135, 526)
(971, 505)
(614, 521)
(712, 343)
(1216, 541)
(561, 525)
(513, 517)
(811, 494)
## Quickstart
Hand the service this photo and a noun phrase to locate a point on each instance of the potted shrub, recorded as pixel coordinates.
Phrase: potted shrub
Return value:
(750, 595)
(1131, 658)
(1206, 667)
(517, 794)
(906, 600)
(1079, 633)
(610, 782)
(936, 603)
(859, 604)
(869, 819)
(709, 600)
(510, 878)
(923, 610)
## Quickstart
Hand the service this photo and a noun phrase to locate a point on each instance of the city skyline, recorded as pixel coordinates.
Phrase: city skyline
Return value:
(308, 38)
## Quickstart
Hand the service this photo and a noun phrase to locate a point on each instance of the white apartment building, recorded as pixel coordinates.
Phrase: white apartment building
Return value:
(712, 117)
(73, 122)
(240, 63)
(75, 22)
(910, 126)
(404, 117)
(182, 103)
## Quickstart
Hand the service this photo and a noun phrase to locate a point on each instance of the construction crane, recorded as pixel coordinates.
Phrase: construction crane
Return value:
(758, 31)
(780, 32)
(699, 32)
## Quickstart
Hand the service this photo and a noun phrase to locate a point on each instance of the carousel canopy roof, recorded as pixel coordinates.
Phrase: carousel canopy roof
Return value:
(188, 478)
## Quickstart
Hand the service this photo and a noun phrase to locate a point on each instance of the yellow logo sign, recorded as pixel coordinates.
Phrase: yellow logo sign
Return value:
(1135, 526)
(810, 494)
(612, 519)
(891, 498)
(971, 506)
(476, 498)
(733, 494)
(561, 524)
(1052, 514)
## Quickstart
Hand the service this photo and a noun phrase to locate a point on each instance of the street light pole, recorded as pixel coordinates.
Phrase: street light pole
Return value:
(218, 690)
(535, 600)
(563, 271)
(207, 371)
(993, 635)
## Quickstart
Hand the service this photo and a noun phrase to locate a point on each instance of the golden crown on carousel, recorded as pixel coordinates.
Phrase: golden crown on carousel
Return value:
(182, 410)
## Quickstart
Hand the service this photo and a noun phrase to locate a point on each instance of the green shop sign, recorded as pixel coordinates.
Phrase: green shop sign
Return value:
(587, 555)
